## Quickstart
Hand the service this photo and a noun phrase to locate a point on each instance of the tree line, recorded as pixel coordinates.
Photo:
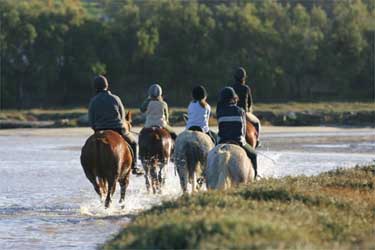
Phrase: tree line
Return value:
(292, 50)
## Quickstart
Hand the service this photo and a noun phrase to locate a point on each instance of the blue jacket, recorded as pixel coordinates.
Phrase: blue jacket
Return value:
(232, 123)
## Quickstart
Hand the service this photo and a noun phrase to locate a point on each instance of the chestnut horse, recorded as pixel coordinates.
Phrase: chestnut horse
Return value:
(155, 147)
(106, 159)
(251, 133)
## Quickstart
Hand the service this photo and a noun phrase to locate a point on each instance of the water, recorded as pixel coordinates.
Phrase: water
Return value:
(46, 202)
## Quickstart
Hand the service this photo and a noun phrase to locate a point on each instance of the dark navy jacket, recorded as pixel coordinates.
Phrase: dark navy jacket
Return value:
(245, 100)
(232, 123)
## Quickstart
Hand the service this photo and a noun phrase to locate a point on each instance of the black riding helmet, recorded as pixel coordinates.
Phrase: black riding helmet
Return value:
(199, 92)
(100, 83)
(240, 74)
(228, 94)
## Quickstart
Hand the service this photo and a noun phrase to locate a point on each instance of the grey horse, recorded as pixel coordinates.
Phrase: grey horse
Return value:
(190, 157)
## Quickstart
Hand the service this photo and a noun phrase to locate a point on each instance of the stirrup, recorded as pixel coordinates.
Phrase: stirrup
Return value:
(258, 144)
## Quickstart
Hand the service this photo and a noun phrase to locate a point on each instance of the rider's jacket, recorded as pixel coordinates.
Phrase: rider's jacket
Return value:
(156, 113)
(245, 99)
(106, 111)
(232, 123)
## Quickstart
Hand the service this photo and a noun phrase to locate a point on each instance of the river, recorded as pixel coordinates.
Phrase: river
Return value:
(46, 202)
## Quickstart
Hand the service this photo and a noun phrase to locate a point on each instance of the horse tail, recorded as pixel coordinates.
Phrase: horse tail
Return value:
(223, 180)
(193, 156)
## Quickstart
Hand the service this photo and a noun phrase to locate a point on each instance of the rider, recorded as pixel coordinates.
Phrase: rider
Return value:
(245, 99)
(199, 113)
(232, 123)
(106, 112)
(156, 110)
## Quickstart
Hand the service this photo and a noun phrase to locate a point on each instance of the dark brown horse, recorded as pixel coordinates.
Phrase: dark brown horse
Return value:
(251, 133)
(155, 147)
(106, 159)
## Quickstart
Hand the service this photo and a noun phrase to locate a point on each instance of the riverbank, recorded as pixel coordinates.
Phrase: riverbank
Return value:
(334, 210)
(277, 114)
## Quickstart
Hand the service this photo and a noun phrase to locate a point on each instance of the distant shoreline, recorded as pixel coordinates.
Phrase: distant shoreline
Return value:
(274, 114)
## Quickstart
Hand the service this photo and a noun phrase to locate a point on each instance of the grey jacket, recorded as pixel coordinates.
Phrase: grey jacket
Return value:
(106, 111)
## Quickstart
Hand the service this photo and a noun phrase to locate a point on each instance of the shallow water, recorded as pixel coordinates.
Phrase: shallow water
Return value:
(46, 202)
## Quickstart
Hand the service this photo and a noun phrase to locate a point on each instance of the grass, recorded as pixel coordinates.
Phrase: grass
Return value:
(335, 210)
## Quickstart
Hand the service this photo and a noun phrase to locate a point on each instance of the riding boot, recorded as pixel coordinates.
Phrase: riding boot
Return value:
(133, 147)
(135, 169)
(251, 153)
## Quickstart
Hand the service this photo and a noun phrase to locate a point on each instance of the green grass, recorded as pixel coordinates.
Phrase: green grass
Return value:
(335, 210)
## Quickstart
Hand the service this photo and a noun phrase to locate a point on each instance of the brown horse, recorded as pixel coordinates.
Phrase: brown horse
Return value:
(155, 147)
(251, 133)
(106, 158)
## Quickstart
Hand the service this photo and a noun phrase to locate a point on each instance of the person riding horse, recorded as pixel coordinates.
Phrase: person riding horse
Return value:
(106, 112)
(199, 113)
(245, 99)
(232, 123)
(156, 110)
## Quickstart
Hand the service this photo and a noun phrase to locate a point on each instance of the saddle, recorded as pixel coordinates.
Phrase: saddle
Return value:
(195, 128)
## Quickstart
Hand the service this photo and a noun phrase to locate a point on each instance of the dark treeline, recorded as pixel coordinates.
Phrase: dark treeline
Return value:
(292, 50)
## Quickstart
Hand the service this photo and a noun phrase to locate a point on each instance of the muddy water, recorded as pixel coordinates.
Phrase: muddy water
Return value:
(47, 203)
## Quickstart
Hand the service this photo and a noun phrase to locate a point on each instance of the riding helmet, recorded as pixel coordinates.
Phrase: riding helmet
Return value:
(227, 94)
(155, 90)
(199, 92)
(100, 83)
(240, 74)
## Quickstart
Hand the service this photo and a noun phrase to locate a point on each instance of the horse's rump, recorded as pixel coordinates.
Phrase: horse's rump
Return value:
(227, 165)
(190, 156)
(106, 158)
(154, 142)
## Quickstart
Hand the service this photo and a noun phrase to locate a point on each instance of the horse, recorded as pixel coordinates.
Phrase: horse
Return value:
(251, 133)
(228, 165)
(106, 159)
(155, 147)
(190, 157)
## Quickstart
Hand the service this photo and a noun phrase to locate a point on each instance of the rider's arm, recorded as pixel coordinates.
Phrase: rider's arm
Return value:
(144, 105)
(250, 101)
(91, 116)
(121, 108)
(166, 112)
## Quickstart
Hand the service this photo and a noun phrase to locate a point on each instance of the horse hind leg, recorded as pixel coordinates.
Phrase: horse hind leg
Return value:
(124, 185)
(92, 179)
(146, 168)
(111, 190)
(154, 177)
(182, 173)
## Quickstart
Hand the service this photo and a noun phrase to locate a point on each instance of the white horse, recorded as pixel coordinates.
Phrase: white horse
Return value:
(228, 165)
(190, 157)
